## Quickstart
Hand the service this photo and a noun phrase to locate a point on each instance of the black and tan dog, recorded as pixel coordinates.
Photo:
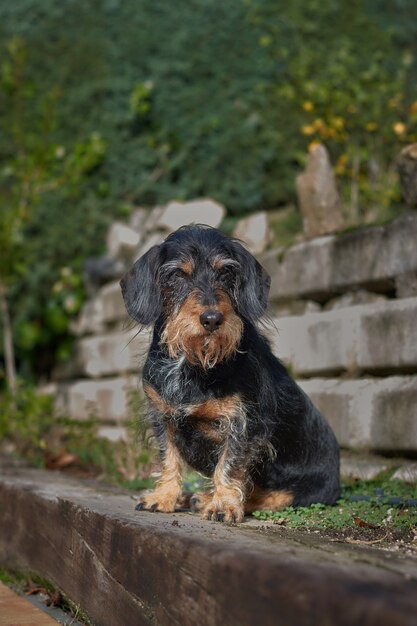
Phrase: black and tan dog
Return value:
(218, 398)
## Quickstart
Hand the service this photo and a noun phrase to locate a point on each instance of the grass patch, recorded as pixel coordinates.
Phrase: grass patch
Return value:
(350, 513)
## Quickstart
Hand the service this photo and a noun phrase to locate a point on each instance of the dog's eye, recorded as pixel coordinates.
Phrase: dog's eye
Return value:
(179, 273)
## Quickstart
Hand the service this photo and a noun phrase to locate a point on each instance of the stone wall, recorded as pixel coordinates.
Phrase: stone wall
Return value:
(344, 319)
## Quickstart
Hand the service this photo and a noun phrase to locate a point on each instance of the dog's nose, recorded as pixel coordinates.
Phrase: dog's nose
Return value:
(211, 320)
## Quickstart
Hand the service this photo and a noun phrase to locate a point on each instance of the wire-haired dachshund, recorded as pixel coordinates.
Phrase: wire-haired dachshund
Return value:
(219, 400)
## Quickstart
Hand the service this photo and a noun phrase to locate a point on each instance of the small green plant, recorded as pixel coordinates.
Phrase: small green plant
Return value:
(373, 513)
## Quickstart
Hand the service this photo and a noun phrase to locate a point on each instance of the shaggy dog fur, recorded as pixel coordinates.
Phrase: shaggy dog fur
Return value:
(219, 400)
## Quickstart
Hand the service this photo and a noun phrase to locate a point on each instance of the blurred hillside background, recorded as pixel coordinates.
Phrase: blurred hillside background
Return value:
(108, 104)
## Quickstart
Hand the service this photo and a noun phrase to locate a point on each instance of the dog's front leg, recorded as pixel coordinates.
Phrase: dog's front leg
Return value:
(168, 488)
(226, 502)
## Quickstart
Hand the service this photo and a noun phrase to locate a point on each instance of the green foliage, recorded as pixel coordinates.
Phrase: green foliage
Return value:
(37, 172)
(25, 421)
(31, 429)
(346, 513)
(106, 104)
(222, 99)
(349, 85)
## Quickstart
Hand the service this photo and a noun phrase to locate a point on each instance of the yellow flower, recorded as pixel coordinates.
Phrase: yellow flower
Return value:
(318, 124)
(308, 106)
(399, 128)
(307, 130)
(371, 126)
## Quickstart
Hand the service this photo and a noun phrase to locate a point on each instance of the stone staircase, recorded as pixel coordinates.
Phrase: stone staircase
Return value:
(344, 319)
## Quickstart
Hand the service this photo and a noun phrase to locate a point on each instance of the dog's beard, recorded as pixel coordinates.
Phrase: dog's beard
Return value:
(184, 335)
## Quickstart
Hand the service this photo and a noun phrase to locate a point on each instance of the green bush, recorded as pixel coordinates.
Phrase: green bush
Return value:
(211, 98)
(131, 102)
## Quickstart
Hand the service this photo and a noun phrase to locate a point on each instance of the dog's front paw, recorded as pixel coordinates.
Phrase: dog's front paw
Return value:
(159, 500)
(227, 509)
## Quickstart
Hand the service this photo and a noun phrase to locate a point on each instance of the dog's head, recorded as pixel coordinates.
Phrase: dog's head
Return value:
(202, 286)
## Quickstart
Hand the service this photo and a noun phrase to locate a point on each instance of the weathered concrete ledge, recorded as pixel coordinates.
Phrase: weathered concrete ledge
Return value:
(371, 413)
(370, 338)
(321, 343)
(124, 567)
(370, 258)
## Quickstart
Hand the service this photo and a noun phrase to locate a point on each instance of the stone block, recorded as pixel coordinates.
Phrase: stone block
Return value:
(254, 231)
(122, 241)
(364, 469)
(394, 423)
(369, 258)
(406, 285)
(387, 336)
(111, 303)
(406, 472)
(106, 399)
(354, 298)
(317, 342)
(376, 338)
(204, 211)
(115, 353)
(154, 239)
(138, 219)
(91, 318)
(112, 433)
(318, 197)
(407, 169)
(377, 414)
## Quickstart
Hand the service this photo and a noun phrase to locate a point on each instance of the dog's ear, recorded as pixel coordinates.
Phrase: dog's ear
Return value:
(140, 288)
(254, 285)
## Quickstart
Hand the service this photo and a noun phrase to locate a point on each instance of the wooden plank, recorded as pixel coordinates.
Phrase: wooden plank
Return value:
(125, 567)
(16, 611)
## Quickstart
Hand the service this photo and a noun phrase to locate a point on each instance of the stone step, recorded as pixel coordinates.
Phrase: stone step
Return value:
(124, 567)
(371, 413)
(371, 258)
(377, 414)
(107, 399)
(103, 310)
(115, 353)
(375, 338)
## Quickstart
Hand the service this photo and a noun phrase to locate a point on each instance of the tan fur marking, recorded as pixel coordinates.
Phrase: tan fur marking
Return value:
(168, 488)
(227, 498)
(218, 263)
(155, 399)
(267, 500)
(184, 334)
(187, 267)
(216, 408)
